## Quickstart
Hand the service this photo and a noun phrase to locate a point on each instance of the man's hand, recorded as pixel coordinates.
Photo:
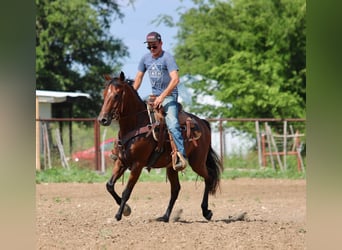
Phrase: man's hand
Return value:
(158, 102)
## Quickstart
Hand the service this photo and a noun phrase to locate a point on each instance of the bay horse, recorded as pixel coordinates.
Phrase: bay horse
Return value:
(123, 104)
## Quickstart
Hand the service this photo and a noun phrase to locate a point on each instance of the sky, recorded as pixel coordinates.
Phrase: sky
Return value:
(137, 24)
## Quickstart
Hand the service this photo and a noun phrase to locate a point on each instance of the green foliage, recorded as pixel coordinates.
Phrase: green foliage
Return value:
(255, 52)
(74, 48)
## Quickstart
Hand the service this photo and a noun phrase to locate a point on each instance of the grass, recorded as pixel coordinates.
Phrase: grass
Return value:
(74, 174)
(249, 167)
(86, 175)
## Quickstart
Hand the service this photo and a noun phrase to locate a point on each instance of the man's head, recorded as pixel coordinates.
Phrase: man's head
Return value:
(154, 43)
(153, 37)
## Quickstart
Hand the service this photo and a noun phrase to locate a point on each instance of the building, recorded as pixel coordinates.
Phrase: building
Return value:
(49, 102)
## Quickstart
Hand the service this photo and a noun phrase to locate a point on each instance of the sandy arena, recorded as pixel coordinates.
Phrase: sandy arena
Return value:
(247, 214)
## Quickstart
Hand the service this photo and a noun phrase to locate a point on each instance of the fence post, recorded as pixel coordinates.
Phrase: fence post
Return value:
(38, 167)
(264, 159)
(221, 141)
(285, 144)
(257, 131)
(97, 145)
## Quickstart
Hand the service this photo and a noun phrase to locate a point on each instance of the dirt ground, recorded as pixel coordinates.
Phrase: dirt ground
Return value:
(81, 216)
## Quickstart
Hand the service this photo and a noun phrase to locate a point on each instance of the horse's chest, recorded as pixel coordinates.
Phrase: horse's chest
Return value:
(139, 147)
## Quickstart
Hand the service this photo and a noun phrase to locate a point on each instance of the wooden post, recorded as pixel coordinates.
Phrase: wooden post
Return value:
(257, 131)
(294, 142)
(97, 145)
(300, 165)
(47, 152)
(103, 160)
(300, 160)
(285, 144)
(269, 145)
(275, 148)
(64, 161)
(221, 141)
(70, 128)
(263, 150)
(37, 136)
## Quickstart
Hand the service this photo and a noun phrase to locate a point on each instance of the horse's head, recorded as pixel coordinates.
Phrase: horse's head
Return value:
(113, 93)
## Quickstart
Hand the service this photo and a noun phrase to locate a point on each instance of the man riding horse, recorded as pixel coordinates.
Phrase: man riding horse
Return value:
(163, 73)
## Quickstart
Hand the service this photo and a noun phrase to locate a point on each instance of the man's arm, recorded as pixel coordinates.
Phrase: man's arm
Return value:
(138, 80)
(173, 83)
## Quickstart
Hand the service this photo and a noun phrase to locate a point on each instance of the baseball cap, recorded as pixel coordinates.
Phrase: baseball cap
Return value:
(153, 37)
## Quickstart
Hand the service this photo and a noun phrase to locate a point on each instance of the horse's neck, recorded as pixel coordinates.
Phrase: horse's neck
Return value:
(133, 118)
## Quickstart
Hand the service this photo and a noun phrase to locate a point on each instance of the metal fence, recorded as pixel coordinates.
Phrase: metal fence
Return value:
(240, 143)
(260, 142)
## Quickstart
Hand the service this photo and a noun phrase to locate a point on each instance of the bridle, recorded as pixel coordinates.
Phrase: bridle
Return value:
(117, 109)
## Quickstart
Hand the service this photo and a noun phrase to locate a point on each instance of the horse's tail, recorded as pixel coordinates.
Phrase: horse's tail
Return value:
(214, 166)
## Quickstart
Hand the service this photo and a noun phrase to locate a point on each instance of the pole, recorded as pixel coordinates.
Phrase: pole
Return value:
(97, 145)
(37, 136)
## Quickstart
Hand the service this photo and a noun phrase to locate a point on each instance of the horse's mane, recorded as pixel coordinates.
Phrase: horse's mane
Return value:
(130, 84)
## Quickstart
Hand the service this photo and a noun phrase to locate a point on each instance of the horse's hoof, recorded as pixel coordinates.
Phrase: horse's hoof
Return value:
(208, 215)
(118, 217)
(127, 210)
(163, 219)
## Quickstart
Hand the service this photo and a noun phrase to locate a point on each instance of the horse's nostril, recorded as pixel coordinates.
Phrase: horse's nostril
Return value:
(101, 120)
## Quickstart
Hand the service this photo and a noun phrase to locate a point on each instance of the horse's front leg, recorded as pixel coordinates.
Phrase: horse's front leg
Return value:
(118, 171)
(133, 178)
(175, 188)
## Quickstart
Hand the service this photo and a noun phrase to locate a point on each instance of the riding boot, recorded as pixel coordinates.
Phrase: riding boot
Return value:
(179, 161)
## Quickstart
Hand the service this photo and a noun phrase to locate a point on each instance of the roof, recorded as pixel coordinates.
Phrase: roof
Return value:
(57, 96)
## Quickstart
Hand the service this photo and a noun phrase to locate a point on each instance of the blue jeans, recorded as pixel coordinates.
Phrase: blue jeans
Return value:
(171, 109)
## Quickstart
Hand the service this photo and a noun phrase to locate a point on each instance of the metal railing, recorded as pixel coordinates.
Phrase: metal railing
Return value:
(220, 126)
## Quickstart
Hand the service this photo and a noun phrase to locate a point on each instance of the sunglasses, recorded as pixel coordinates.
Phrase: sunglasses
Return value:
(152, 47)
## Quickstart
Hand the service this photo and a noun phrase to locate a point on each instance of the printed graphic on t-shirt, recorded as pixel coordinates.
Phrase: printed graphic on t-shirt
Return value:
(156, 74)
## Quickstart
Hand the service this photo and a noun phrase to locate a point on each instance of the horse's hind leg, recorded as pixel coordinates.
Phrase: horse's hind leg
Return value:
(202, 171)
(175, 188)
(205, 211)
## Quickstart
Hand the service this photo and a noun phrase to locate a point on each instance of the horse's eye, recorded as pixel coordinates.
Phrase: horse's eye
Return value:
(116, 96)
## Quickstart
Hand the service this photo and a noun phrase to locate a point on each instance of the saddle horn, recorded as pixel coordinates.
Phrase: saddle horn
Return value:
(122, 76)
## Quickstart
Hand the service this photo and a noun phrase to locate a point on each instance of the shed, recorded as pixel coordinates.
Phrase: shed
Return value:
(53, 102)
(45, 99)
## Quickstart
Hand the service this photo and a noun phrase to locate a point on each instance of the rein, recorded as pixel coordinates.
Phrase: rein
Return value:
(127, 116)
(136, 132)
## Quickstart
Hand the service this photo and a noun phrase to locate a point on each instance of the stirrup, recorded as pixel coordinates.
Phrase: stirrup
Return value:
(178, 162)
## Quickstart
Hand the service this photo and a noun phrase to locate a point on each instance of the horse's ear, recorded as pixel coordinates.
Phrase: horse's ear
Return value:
(107, 77)
(122, 76)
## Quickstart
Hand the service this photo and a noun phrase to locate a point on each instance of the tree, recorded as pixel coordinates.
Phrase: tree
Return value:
(74, 48)
(251, 54)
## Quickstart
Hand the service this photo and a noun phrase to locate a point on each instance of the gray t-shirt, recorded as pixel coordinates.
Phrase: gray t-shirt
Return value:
(158, 70)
